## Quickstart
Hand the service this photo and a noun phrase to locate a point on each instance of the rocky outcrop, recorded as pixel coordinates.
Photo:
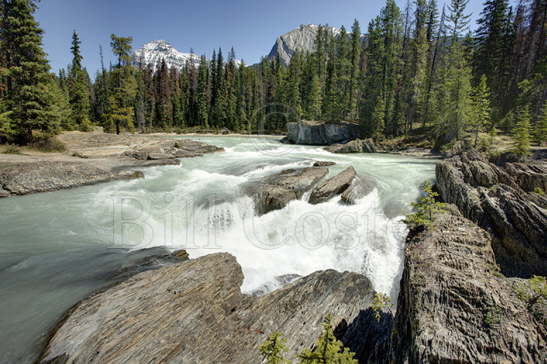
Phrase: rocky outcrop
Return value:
(492, 197)
(194, 312)
(455, 307)
(333, 186)
(355, 146)
(35, 177)
(301, 40)
(529, 176)
(275, 192)
(171, 149)
(321, 133)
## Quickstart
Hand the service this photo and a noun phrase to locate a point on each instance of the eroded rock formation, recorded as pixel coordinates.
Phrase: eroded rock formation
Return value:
(194, 312)
(321, 133)
(492, 197)
(455, 306)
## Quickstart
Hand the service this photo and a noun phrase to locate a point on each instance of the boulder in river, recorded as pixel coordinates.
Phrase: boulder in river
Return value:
(323, 164)
(276, 191)
(359, 188)
(354, 146)
(492, 197)
(321, 133)
(333, 186)
(194, 312)
(455, 307)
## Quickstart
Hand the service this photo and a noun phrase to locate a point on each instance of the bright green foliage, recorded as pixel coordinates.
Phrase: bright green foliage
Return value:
(480, 118)
(521, 132)
(381, 302)
(274, 350)
(426, 208)
(540, 130)
(328, 349)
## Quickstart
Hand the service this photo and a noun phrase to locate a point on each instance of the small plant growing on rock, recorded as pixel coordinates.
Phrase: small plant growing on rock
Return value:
(273, 350)
(380, 303)
(327, 350)
(493, 316)
(426, 208)
(539, 191)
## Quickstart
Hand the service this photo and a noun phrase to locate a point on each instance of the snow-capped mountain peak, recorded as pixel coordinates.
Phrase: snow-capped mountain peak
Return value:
(155, 51)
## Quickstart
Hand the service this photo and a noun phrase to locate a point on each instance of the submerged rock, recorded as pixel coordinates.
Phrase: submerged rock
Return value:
(323, 164)
(333, 186)
(492, 197)
(455, 307)
(194, 312)
(321, 133)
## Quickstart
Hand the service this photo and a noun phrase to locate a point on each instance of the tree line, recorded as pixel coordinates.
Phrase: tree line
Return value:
(417, 67)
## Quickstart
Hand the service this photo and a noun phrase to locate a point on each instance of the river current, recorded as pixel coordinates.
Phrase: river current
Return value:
(56, 248)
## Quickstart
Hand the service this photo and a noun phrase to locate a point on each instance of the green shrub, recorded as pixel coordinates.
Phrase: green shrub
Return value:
(12, 149)
(47, 143)
(426, 208)
(539, 191)
(381, 302)
(493, 316)
(327, 349)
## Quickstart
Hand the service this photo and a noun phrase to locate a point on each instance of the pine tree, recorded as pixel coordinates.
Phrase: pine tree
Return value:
(203, 94)
(355, 78)
(28, 82)
(314, 103)
(521, 132)
(273, 350)
(426, 208)
(480, 118)
(124, 88)
(328, 349)
(540, 131)
(79, 93)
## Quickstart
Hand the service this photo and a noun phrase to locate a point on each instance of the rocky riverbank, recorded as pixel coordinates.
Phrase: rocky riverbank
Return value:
(501, 199)
(91, 158)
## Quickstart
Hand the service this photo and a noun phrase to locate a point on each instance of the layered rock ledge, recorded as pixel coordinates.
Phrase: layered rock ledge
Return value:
(455, 306)
(194, 312)
(497, 198)
(92, 158)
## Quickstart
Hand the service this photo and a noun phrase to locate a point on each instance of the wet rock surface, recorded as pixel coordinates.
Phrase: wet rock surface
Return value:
(455, 307)
(194, 312)
(492, 197)
(333, 186)
(275, 192)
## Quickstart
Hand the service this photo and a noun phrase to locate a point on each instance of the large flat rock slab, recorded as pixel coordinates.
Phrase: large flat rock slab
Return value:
(194, 312)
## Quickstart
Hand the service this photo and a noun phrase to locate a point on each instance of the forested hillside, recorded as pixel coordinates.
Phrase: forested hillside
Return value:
(420, 66)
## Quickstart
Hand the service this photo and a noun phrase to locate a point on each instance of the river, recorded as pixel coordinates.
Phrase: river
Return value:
(56, 248)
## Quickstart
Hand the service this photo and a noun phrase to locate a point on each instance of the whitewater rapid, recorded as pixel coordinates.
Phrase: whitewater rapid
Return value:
(58, 247)
(200, 206)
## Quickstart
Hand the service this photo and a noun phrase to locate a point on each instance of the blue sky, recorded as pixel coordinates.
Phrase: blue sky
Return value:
(250, 26)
